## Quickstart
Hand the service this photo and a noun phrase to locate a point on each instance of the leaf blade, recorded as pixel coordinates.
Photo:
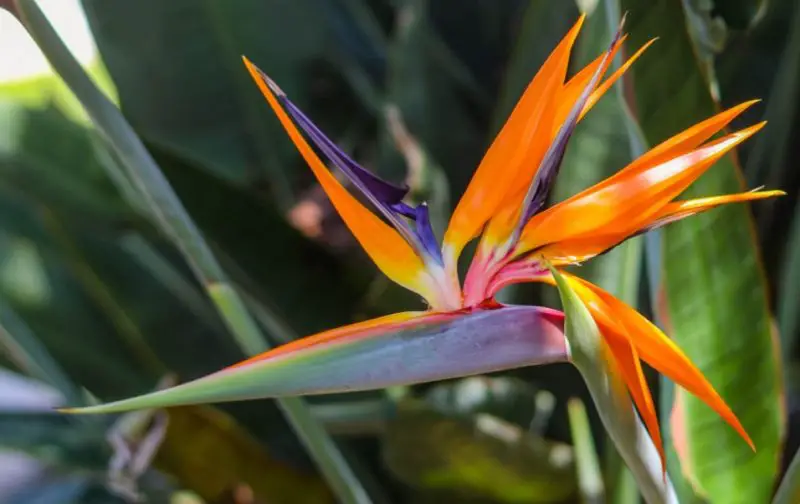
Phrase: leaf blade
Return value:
(712, 279)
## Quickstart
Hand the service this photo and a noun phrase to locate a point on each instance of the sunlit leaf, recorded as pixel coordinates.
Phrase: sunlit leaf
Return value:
(716, 306)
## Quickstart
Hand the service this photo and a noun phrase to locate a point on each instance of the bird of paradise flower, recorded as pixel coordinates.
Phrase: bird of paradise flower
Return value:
(466, 331)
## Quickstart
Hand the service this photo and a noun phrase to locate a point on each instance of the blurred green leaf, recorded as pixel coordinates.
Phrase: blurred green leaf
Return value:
(208, 452)
(170, 214)
(714, 287)
(204, 449)
(428, 97)
(35, 144)
(481, 457)
(56, 439)
(590, 479)
(541, 26)
(271, 260)
(29, 354)
(789, 293)
(201, 104)
(765, 62)
(740, 14)
(39, 279)
(789, 489)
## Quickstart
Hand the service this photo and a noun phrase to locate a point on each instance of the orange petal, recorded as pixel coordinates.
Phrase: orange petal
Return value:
(659, 351)
(578, 82)
(631, 368)
(619, 321)
(627, 204)
(606, 84)
(511, 161)
(574, 87)
(679, 144)
(583, 248)
(390, 252)
(624, 353)
(678, 210)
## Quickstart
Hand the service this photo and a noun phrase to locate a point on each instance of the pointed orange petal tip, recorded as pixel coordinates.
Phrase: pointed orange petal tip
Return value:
(257, 73)
(655, 348)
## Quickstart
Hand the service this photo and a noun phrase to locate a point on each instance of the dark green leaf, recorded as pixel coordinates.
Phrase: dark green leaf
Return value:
(714, 287)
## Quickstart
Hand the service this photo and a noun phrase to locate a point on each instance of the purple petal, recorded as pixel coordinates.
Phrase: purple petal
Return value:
(542, 183)
(369, 183)
(386, 197)
(423, 231)
(431, 347)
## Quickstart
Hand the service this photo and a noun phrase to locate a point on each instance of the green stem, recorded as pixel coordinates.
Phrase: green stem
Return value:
(590, 479)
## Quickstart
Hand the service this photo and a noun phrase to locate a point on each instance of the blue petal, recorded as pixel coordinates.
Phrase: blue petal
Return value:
(384, 192)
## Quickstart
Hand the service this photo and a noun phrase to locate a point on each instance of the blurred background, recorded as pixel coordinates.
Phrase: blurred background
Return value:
(95, 301)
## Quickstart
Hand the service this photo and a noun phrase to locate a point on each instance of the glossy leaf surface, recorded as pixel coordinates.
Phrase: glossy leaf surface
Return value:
(716, 307)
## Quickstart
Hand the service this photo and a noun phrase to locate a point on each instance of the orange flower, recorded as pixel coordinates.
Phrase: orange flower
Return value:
(466, 331)
(504, 203)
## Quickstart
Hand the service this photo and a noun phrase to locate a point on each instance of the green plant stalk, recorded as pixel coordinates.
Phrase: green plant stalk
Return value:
(609, 394)
(172, 216)
(590, 478)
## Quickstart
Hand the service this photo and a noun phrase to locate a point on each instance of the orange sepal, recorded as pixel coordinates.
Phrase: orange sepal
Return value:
(624, 353)
(580, 249)
(606, 84)
(390, 252)
(511, 161)
(679, 144)
(631, 369)
(655, 348)
(628, 204)
(678, 210)
(618, 321)
(576, 84)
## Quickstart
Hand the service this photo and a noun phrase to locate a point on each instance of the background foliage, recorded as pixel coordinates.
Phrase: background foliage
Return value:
(95, 299)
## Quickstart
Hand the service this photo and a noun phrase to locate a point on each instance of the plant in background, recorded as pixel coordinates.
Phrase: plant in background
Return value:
(466, 331)
(96, 295)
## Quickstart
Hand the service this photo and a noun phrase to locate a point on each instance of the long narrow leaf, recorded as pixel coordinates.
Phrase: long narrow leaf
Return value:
(19, 342)
(712, 283)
